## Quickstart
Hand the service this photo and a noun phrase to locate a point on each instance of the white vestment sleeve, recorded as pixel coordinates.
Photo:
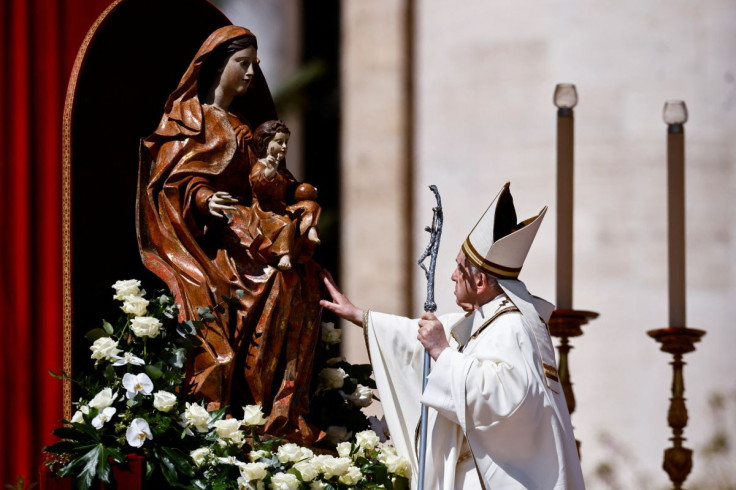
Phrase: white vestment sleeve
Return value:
(488, 385)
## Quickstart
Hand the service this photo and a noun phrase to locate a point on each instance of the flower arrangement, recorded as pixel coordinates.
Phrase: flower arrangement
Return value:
(132, 402)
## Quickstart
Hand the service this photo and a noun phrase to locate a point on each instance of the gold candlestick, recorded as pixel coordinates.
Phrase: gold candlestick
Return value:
(676, 339)
(566, 323)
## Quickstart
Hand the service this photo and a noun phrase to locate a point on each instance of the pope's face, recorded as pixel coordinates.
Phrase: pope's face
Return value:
(238, 71)
(277, 146)
(465, 290)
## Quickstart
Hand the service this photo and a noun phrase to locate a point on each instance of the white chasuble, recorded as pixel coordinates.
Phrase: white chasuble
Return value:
(489, 402)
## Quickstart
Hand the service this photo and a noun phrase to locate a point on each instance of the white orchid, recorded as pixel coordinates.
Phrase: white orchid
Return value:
(128, 358)
(78, 416)
(103, 416)
(137, 383)
(138, 432)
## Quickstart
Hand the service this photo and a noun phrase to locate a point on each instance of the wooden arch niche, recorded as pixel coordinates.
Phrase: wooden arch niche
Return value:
(130, 61)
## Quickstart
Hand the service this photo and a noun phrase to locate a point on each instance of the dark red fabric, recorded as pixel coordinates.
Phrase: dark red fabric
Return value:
(39, 40)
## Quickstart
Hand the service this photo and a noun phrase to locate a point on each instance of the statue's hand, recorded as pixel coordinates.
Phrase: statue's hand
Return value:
(340, 305)
(220, 201)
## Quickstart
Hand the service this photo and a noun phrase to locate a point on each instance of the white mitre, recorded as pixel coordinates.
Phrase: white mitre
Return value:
(498, 244)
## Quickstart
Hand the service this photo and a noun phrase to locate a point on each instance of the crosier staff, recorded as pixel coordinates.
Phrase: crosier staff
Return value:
(435, 232)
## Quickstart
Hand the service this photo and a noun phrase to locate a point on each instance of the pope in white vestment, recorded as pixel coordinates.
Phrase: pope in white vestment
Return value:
(497, 415)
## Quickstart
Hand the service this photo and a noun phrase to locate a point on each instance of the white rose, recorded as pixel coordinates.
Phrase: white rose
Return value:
(195, 416)
(164, 401)
(307, 469)
(228, 429)
(397, 465)
(145, 326)
(335, 466)
(104, 348)
(317, 485)
(135, 305)
(361, 397)
(284, 481)
(291, 453)
(102, 400)
(332, 378)
(386, 449)
(344, 448)
(330, 334)
(258, 454)
(131, 287)
(253, 415)
(338, 433)
(199, 456)
(351, 476)
(253, 471)
(367, 439)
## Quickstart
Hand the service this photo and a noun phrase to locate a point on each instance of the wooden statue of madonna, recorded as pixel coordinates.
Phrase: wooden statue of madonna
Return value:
(219, 215)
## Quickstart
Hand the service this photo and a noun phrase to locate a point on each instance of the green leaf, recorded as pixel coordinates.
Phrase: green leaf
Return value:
(95, 334)
(153, 371)
(166, 465)
(219, 308)
(180, 461)
(109, 373)
(209, 317)
(203, 311)
(107, 327)
(61, 376)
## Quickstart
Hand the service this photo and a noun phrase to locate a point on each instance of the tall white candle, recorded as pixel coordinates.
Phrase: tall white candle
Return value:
(675, 115)
(565, 99)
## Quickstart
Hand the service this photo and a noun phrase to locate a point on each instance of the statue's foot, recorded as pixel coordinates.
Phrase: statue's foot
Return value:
(284, 263)
(313, 237)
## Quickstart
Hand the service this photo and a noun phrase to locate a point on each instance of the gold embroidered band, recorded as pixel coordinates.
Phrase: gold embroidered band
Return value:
(488, 266)
(550, 372)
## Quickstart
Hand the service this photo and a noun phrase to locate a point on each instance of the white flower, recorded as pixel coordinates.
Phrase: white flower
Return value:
(104, 348)
(367, 439)
(397, 465)
(332, 378)
(338, 433)
(291, 453)
(330, 334)
(145, 326)
(199, 456)
(386, 449)
(258, 454)
(103, 416)
(138, 432)
(253, 471)
(228, 429)
(164, 401)
(128, 358)
(284, 481)
(244, 485)
(317, 485)
(332, 466)
(307, 469)
(102, 400)
(123, 289)
(361, 397)
(351, 476)
(195, 416)
(253, 415)
(79, 414)
(137, 383)
(344, 448)
(230, 460)
(134, 305)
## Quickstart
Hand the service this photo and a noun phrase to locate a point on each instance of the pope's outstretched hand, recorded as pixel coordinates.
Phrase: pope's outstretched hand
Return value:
(340, 305)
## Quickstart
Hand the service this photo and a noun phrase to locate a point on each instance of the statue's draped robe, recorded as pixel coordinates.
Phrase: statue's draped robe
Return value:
(488, 399)
(261, 348)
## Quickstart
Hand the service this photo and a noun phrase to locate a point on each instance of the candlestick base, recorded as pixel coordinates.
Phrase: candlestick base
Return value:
(565, 324)
(678, 460)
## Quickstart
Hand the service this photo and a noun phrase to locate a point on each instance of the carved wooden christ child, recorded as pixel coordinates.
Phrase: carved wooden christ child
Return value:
(218, 217)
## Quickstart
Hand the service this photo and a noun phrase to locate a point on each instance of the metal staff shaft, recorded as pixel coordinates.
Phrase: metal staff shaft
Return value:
(435, 232)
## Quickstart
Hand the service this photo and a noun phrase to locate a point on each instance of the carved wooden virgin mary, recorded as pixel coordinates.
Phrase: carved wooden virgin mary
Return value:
(260, 346)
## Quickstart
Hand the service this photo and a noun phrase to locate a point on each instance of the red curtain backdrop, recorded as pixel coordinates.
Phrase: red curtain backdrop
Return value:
(39, 40)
